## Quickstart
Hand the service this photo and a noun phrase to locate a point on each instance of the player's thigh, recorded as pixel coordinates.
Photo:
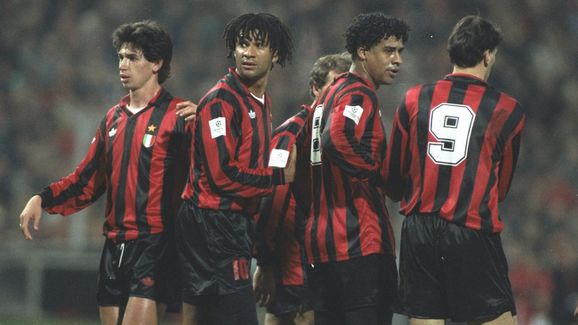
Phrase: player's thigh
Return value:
(140, 310)
(421, 277)
(304, 318)
(108, 315)
(479, 289)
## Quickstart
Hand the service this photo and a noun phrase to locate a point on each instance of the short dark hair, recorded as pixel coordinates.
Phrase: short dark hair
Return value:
(366, 30)
(151, 38)
(325, 64)
(265, 27)
(470, 38)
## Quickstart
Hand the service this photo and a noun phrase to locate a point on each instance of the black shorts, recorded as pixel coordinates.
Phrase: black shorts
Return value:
(169, 285)
(449, 271)
(136, 268)
(342, 289)
(215, 251)
(291, 299)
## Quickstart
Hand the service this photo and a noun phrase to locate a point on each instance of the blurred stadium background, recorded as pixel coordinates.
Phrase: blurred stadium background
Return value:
(59, 75)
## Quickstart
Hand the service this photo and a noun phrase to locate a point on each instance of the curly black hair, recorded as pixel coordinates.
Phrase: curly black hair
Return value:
(366, 30)
(265, 27)
(470, 38)
(151, 38)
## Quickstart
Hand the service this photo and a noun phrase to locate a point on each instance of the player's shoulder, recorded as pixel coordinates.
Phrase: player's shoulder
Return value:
(506, 100)
(509, 98)
(415, 90)
(355, 87)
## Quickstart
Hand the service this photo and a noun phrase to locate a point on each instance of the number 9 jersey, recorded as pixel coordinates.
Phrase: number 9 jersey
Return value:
(453, 150)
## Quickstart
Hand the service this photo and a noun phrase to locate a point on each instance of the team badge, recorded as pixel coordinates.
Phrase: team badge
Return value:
(218, 127)
(353, 113)
(278, 158)
(149, 139)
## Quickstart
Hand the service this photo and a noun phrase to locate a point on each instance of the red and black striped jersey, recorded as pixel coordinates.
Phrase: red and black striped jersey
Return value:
(453, 151)
(348, 216)
(139, 160)
(276, 238)
(231, 144)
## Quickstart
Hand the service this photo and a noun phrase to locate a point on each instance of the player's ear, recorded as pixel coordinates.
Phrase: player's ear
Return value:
(487, 58)
(315, 91)
(157, 66)
(275, 58)
(361, 53)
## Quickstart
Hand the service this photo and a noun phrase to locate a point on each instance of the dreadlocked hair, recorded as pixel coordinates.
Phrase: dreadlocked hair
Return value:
(263, 27)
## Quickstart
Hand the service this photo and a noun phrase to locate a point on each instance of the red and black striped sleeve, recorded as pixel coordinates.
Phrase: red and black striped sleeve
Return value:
(222, 136)
(350, 136)
(511, 152)
(396, 163)
(82, 187)
(274, 207)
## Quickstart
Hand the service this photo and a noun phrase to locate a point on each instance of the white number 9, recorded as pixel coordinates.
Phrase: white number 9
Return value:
(451, 125)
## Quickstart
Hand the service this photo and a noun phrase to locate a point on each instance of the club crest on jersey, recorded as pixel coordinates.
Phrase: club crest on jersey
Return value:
(252, 114)
(149, 139)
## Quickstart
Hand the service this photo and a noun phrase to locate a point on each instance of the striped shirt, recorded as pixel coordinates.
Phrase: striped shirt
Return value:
(277, 240)
(139, 160)
(453, 151)
(349, 217)
(231, 148)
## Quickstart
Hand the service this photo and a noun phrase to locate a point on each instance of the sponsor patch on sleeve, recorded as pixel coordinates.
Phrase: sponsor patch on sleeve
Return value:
(218, 127)
(278, 158)
(353, 113)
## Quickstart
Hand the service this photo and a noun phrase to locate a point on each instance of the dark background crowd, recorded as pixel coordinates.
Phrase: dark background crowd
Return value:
(59, 75)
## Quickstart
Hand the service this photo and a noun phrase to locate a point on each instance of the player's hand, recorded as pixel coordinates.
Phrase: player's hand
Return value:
(187, 109)
(264, 285)
(32, 211)
(289, 169)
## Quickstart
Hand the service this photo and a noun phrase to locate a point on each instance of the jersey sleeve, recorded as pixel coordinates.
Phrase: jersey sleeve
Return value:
(348, 137)
(274, 207)
(270, 222)
(220, 133)
(83, 186)
(397, 161)
(510, 155)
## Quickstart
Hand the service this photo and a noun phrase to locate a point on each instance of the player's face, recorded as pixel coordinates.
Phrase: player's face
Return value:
(253, 57)
(383, 60)
(331, 75)
(135, 71)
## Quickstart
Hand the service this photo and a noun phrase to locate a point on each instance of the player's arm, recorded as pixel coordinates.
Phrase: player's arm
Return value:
(71, 193)
(394, 170)
(219, 133)
(347, 137)
(510, 157)
(274, 206)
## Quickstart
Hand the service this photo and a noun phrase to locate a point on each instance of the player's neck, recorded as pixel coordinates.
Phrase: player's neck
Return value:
(257, 87)
(358, 67)
(142, 96)
(479, 71)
